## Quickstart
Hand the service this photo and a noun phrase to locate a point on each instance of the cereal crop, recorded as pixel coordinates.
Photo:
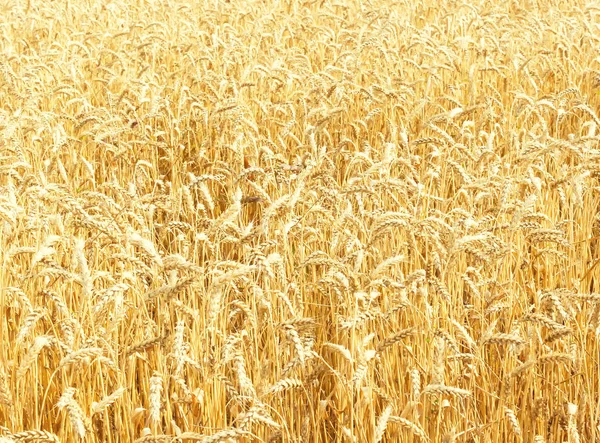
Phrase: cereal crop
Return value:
(286, 221)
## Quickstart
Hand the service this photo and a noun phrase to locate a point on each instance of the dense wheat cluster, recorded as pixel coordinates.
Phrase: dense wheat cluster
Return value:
(275, 221)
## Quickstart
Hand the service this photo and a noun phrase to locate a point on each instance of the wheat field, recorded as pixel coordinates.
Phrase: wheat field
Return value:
(283, 221)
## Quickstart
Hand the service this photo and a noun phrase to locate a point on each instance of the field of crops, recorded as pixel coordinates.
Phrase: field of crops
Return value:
(277, 221)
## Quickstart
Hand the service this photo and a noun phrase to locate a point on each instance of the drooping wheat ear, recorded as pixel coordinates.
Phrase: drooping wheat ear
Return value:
(84, 269)
(29, 323)
(448, 339)
(146, 246)
(413, 427)
(512, 419)
(465, 334)
(68, 333)
(362, 367)
(555, 358)
(256, 413)
(504, 339)
(285, 385)
(230, 214)
(438, 362)
(437, 389)
(382, 422)
(463, 356)
(574, 350)
(225, 435)
(558, 334)
(293, 335)
(59, 303)
(144, 345)
(34, 436)
(590, 112)
(67, 401)
(395, 338)
(390, 262)
(522, 368)
(548, 235)
(540, 409)
(594, 318)
(305, 429)
(103, 404)
(23, 299)
(245, 383)
(156, 388)
(573, 432)
(187, 392)
(342, 350)
(555, 300)
(562, 419)
(215, 306)
(45, 251)
(178, 347)
(5, 394)
(114, 294)
(544, 320)
(275, 437)
(163, 438)
(79, 356)
(415, 378)
(38, 345)
(243, 307)
(450, 436)
(193, 436)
